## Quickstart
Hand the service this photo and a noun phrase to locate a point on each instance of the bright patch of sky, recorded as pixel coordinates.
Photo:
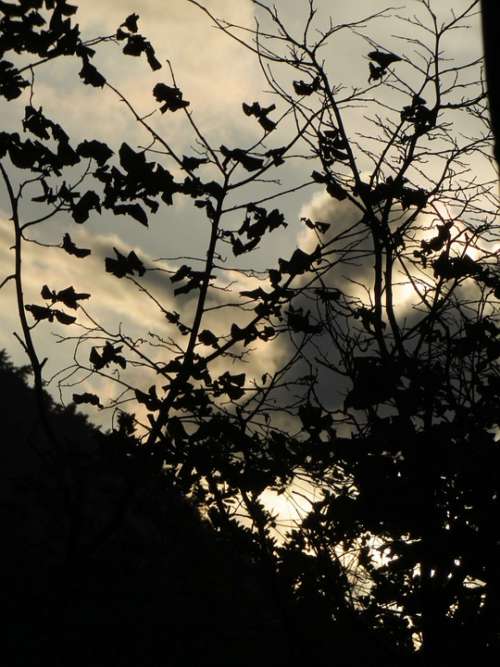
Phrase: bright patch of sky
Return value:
(216, 74)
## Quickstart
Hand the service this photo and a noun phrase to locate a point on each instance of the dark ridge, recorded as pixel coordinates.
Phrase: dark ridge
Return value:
(161, 589)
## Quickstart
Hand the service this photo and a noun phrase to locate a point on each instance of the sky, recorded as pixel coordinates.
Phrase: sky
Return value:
(216, 74)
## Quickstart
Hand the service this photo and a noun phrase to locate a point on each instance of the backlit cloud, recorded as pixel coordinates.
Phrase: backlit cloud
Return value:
(118, 306)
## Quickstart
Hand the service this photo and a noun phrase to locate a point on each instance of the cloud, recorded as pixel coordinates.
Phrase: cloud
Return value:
(117, 306)
(348, 267)
(181, 33)
(347, 242)
(349, 248)
(216, 75)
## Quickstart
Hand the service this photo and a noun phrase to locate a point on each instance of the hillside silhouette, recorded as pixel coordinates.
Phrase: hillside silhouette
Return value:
(157, 586)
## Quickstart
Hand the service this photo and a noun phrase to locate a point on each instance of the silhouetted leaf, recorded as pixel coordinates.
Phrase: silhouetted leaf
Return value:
(257, 222)
(121, 34)
(88, 398)
(376, 73)
(135, 45)
(81, 210)
(369, 318)
(335, 190)
(97, 150)
(171, 96)
(67, 155)
(62, 6)
(153, 61)
(249, 162)
(121, 266)
(299, 262)
(276, 154)
(182, 272)
(192, 163)
(44, 313)
(11, 83)
(66, 296)
(208, 338)
(133, 162)
(261, 113)
(213, 189)
(35, 122)
(40, 312)
(72, 249)
(232, 385)
(305, 89)
(248, 334)
(46, 292)
(108, 355)
(257, 293)
(330, 142)
(312, 418)
(383, 59)
(131, 22)
(134, 210)
(91, 76)
(321, 227)
(437, 242)
(150, 400)
(410, 197)
(274, 277)
(424, 119)
(455, 267)
(10, 9)
(240, 248)
(262, 221)
(63, 318)
(298, 321)
(195, 281)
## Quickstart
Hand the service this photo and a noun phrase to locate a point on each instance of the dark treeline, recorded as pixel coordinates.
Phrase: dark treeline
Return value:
(161, 587)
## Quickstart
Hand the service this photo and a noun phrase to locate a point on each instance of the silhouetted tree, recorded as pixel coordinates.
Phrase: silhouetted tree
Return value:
(406, 459)
(385, 406)
(164, 589)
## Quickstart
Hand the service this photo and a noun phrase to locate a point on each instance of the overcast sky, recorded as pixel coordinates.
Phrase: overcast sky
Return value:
(216, 75)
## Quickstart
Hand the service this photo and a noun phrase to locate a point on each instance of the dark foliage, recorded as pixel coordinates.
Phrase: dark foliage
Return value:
(161, 588)
(159, 548)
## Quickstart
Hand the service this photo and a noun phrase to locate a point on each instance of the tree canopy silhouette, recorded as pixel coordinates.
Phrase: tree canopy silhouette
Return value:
(375, 411)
